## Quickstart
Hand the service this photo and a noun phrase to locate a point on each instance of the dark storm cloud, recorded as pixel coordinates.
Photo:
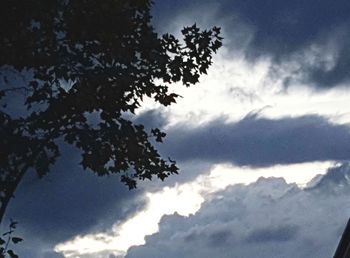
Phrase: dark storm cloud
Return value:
(258, 141)
(285, 26)
(268, 218)
(66, 202)
(280, 26)
(277, 29)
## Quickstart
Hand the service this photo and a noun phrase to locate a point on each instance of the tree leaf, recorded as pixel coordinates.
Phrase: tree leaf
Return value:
(16, 240)
(12, 254)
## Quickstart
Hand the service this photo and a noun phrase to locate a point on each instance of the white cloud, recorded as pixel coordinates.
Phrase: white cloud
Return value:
(269, 218)
(184, 199)
(235, 87)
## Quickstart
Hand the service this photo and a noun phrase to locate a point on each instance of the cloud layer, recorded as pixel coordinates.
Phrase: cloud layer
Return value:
(280, 30)
(259, 141)
(269, 218)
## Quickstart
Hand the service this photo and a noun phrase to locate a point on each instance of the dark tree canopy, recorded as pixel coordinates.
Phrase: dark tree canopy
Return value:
(83, 59)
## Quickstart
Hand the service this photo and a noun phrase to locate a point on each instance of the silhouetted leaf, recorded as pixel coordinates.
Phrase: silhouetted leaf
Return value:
(16, 240)
(12, 254)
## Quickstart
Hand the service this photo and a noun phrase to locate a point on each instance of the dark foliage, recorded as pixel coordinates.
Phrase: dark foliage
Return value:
(84, 58)
(7, 239)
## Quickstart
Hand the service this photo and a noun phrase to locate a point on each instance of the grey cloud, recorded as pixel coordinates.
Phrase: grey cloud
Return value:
(258, 141)
(66, 202)
(333, 182)
(339, 73)
(277, 234)
(284, 27)
(219, 238)
(269, 218)
(215, 238)
(152, 118)
(273, 28)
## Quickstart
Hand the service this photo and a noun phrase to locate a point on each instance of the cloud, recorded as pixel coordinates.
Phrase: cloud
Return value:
(184, 199)
(283, 31)
(152, 118)
(256, 141)
(296, 83)
(277, 234)
(219, 238)
(268, 218)
(281, 28)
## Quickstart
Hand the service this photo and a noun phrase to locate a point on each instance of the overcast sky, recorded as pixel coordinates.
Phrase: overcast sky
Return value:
(263, 143)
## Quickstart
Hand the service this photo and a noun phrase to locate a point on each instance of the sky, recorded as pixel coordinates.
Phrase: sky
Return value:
(262, 143)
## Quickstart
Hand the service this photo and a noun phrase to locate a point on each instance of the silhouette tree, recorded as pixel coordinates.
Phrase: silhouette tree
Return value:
(84, 65)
